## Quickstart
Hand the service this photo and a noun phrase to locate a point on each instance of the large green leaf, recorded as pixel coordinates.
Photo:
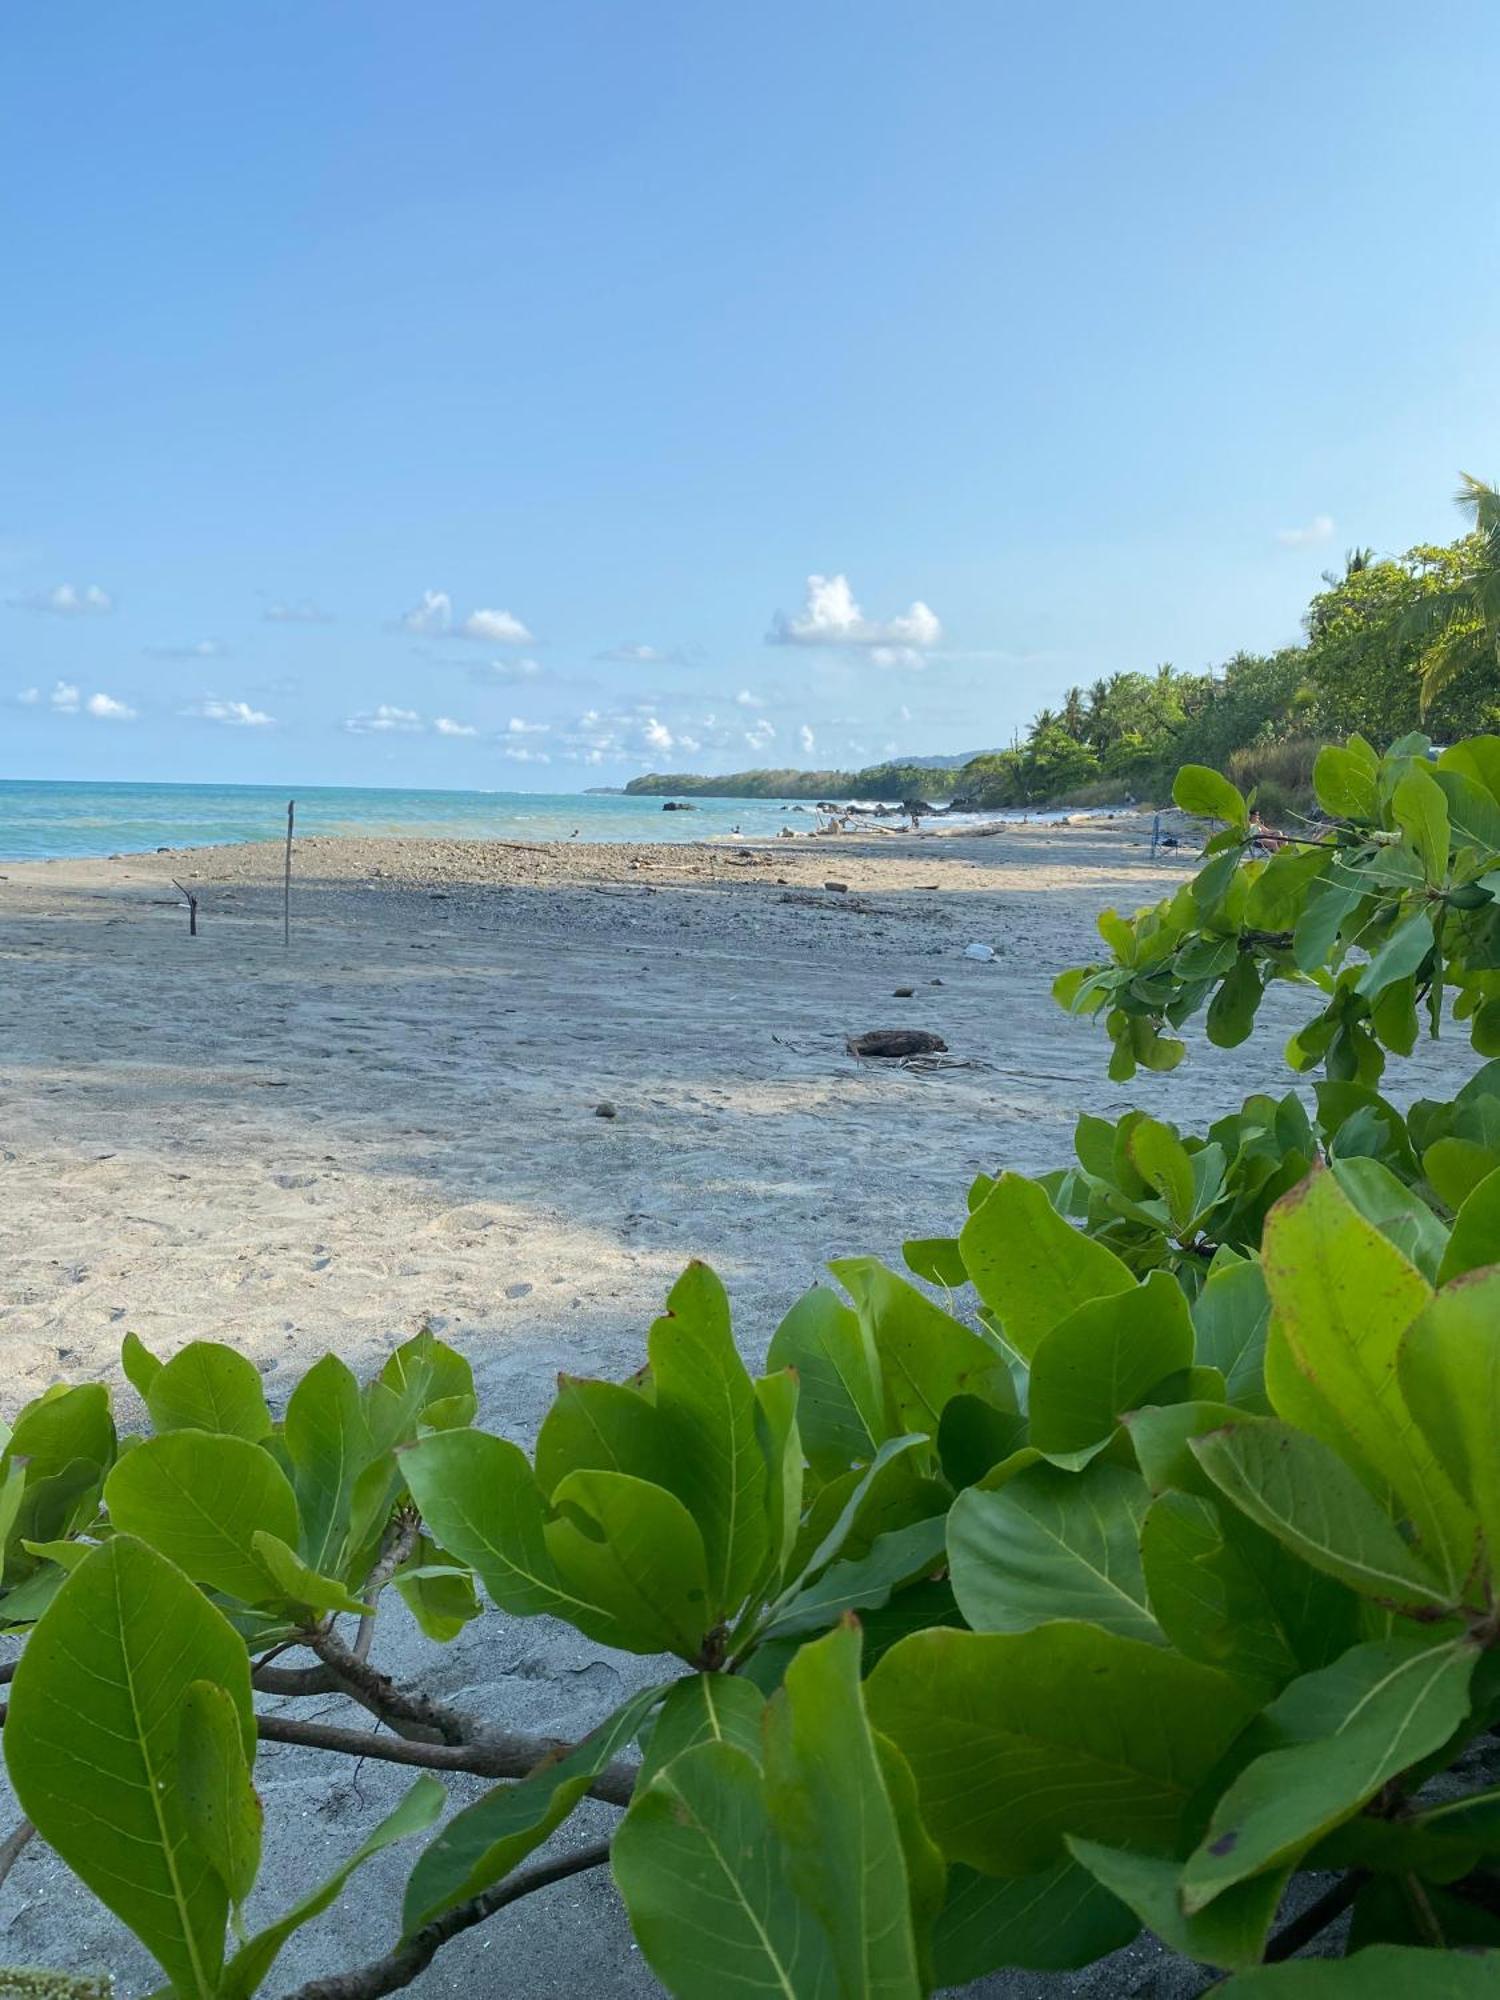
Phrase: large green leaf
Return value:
(423, 1374)
(1350, 1729)
(599, 1427)
(1103, 1359)
(1030, 1266)
(1343, 1295)
(92, 1746)
(703, 1708)
(1299, 1490)
(1052, 1921)
(926, 1356)
(1208, 794)
(1475, 1240)
(249, 1966)
(1161, 1159)
(482, 1844)
(1399, 956)
(1230, 1933)
(1383, 1972)
(840, 1409)
(1019, 1739)
(828, 1800)
(711, 1890)
(1207, 1599)
(780, 1440)
(478, 1496)
(634, 1550)
(1052, 1544)
(1420, 809)
(209, 1387)
(61, 1427)
(298, 1583)
(865, 1582)
(199, 1497)
(328, 1445)
(220, 1809)
(706, 1408)
(1450, 1374)
(1402, 1217)
(1230, 1318)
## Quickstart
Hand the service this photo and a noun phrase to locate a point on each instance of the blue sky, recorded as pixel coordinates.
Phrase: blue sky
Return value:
(525, 396)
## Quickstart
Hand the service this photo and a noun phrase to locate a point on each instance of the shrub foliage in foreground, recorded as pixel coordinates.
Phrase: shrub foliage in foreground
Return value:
(1165, 1578)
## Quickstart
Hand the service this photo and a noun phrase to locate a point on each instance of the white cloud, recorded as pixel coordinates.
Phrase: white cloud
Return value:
(807, 739)
(302, 612)
(446, 726)
(762, 735)
(517, 753)
(67, 600)
(237, 714)
(497, 628)
(902, 657)
(203, 649)
(504, 673)
(904, 713)
(29, 697)
(748, 700)
(108, 709)
(642, 656)
(65, 696)
(432, 617)
(517, 726)
(656, 735)
(1319, 529)
(831, 617)
(690, 744)
(384, 718)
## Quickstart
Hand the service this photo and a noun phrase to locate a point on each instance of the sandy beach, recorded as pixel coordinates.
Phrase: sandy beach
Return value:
(397, 1121)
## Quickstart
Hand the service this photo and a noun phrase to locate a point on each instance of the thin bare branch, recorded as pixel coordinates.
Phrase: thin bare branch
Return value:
(14, 1846)
(400, 1539)
(400, 1967)
(404, 1710)
(496, 1755)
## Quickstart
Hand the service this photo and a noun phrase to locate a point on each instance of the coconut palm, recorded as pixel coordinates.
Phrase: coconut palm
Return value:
(1459, 627)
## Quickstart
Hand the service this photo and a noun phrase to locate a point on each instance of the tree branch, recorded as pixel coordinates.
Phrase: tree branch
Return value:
(495, 1755)
(400, 1540)
(14, 1847)
(399, 1707)
(1316, 1918)
(400, 1967)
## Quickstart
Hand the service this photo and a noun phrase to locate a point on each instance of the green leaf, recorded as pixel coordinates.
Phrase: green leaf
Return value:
(1161, 1159)
(1316, 931)
(91, 1743)
(1402, 1217)
(926, 1356)
(1402, 954)
(1209, 795)
(1230, 1933)
(1299, 1490)
(1018, 1739)
(852, 1495)
(840, 1406)
(438, 1593)
(703, 1708)
(1475, 1239)
(60, 1427)
(477, 1495)
(422, 1372)
(1051, 1544)
(599, 1427)
(1103, 1359)
(1421, 811)
(1345, 784)
(1208, 1601)
(293, 1580)
(328, 1444)
(141, 1366)
(1449, 1365)
(1457, 1167)
(482, 1844)
(1232, 1011)
(780, 1442)
(938, 1259)
(1389, 1705)
(1031, 1267)
(974, 1436)
(866, 1582)
(199, 1497)
(829, 1803)
(634, 1550)
(710, 1888)
(1230, 1318)
(1047, 1922)
(1343, 1295)
(1383, 1972)
(221, 1813)
(713, 1463)
(249, 1966)
(209, 1387)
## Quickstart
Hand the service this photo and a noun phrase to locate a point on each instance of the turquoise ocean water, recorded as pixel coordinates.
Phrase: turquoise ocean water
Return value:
(43, 819)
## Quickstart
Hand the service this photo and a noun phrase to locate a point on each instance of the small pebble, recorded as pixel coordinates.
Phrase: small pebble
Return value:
(838, 888)
(905, 992)
(605, 1110)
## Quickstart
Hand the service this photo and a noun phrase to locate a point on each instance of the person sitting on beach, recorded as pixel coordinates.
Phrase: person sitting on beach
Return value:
(1265, 839)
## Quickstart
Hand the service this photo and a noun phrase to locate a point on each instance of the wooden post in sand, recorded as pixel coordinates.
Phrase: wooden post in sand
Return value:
(286, 898)
(192, 903)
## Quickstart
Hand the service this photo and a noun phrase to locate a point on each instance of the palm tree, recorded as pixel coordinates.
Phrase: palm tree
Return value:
(1459, 627)
(1074, 713)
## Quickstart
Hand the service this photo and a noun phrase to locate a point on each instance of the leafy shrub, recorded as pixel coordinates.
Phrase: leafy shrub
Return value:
(1166, 1577)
